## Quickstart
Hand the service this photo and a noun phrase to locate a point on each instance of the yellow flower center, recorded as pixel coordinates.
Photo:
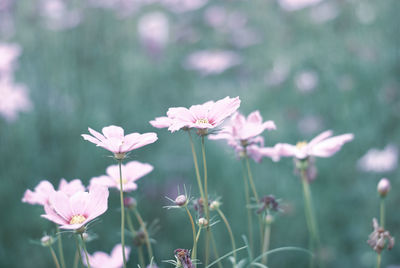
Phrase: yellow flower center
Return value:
(301, 144)
(202, 121)
(124, 181)
(77, 219)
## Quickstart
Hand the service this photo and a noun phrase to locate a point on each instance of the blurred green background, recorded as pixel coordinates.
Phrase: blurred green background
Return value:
(333, 65)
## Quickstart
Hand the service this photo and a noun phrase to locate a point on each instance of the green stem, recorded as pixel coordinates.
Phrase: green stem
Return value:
(378, 260)
(228, 227)
(196, 166)
(205, 200)
(78, 248)
(133, 231)
(146, 234)
(216, 255)
(267, 236)
(84, 250)
(76, 259)
(53, 254)
(310, 217)
(121, 191)
(382, 212)
(249, 218)
(60, 248)
(194, 249)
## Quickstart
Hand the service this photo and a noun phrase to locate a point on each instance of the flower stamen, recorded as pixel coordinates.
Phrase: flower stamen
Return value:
(77, 219)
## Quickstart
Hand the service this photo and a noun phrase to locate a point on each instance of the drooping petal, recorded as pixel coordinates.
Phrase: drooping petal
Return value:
(96, 134)
(90, 138)
(254, 117)
(286, 150)
(161, 122)
(51, 215)
(324, 135)
(330, 146)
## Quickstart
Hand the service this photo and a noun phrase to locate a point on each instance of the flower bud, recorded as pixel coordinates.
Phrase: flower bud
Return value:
(119, 156)
(130, 202)
(383, 187)
(47, 241)
(139, 238)
(203, 222)
(269, 219)
(215, 205)
(181, 200)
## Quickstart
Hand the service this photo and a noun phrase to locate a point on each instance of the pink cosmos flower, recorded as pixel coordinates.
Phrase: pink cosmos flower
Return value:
(161, 122)
(114, 260)
(42, 192)
(8, 56)
(243, 133)
(153, 29)
(321, 146)
(292, 5)
(113, 139)
(376, 160)
(13, 99)
(204, 116)
(131, 172)
(73, 212)
(212, 62)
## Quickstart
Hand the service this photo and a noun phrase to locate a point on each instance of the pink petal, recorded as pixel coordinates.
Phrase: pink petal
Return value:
(285, 149)
(270, 125)
(113, 132)
(144, 139)
(254, 117)
(161, 122)
(96, 134)
(136, 170)
(102, 180)
(97, 201)
(116, 255)
(91, 139)
(223, 109)
(59, 201)
(79, 202)
(320, 137)
(330, 146)
(52, 215)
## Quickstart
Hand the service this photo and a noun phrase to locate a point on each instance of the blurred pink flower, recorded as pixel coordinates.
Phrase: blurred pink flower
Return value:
(161, 122)
(58, 16)
(131, 172)
(376, 160)
(321, 146)
(292, 5)
(212, 62)
(243, 135)
(204, 116)
(306, 81)
(113, 139)
(13, 99)
(103, 260)
(8, 56)
(153, 29)
(73, 212)
(180, 6)
(42, 192)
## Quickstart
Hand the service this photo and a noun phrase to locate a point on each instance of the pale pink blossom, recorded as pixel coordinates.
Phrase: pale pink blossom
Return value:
(212, 61)
(131, 172)
(8, 54)
(376, 160)
(13, 99)
(100, 259)
(204, 116)
(58, 16)
(114, 140)
(161, 122)
(153, 29)
(42, 192)
(74, 212)
(322, 145)
(292, 5)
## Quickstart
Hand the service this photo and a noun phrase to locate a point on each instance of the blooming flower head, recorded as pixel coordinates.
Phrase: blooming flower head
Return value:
(131, 172)
(204, 116)
(101, 260)
(42, 192)
(153, 29)
(321, 146)
(74, 212)
(114, 140)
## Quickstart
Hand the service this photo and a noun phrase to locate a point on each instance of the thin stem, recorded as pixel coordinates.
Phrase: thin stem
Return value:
(267, 236)
(228, 227)
(60, 248)
(76, 259)
(146, 234)
(378, 260)
(310, 217)
(216, 255)
(196, 166)
(78, 248)
(249, 218)
(133, 231)
(382, 212)
(194, 249)
(121, 191)
(205, 200)
(84, 250)
(53, 254)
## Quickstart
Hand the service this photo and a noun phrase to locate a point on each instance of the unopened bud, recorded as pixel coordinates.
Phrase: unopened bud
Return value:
(47, 241)
(269, 219)
(139, 238)
(215, 205)
(383, 187)
(203, 222)
(181, 200)
(130, 202)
